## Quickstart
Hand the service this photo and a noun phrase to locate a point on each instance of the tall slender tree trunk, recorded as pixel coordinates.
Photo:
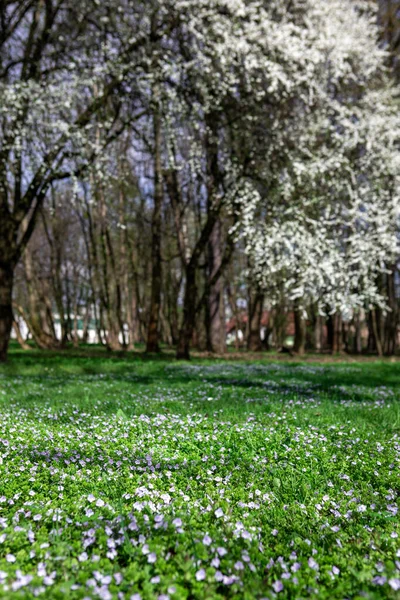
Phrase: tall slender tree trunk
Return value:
(337, 333)
(24, 345)
(357, 334)
(189, 315)
(391, 320)
(346, 336)
(318, 333)
(6, 313)
(376, 333)
(256, 302)
(156, 272)
(231, 293)
(300, 328)
(216, 334)
(37, 313)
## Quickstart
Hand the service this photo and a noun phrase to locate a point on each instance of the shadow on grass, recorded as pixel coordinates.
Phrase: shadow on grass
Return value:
(358, 380)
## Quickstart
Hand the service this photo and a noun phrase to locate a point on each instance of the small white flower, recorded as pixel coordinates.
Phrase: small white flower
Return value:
(201, 575)
(10, 558)
(394, 584)
(219, 513)
(100, 502)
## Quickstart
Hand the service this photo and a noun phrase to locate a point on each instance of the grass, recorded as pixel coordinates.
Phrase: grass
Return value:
(125, 477)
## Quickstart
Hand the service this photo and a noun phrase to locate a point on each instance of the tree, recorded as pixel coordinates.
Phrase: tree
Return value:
(330, 205)
(60, 64)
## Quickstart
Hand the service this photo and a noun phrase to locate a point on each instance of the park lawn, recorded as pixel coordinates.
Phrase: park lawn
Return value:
(124, 477)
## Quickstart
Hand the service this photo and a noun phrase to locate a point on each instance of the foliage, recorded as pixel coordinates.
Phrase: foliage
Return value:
(324, 223)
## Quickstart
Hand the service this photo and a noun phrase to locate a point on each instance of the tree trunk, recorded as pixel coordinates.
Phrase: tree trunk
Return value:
(346, 337)
(216, 333)
(357, 334)
(300, 328)
(231, 293)
(391, 321)
(375, 330)
(189, 315)
(256, 301)
(337, 334)
(156, 275)
(19, 336)
(6, 313)
(318, 333)
(36, 314)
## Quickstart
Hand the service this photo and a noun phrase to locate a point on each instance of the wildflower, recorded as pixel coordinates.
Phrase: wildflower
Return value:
(200, 575)
(277, 586)
(394, 584)
(177, 522)
(379, 580)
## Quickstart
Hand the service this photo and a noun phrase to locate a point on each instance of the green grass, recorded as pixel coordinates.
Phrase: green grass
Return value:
(122, 476)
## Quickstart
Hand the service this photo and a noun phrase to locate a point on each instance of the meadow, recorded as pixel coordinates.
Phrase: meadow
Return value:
(130, 478)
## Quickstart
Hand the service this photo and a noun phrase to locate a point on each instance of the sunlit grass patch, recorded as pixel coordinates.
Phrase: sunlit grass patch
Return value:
(158, 479)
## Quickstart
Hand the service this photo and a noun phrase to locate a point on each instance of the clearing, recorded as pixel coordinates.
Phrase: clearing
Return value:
(128, 478)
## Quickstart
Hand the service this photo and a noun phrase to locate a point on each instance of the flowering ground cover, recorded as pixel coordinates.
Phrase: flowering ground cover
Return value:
(126, 478)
